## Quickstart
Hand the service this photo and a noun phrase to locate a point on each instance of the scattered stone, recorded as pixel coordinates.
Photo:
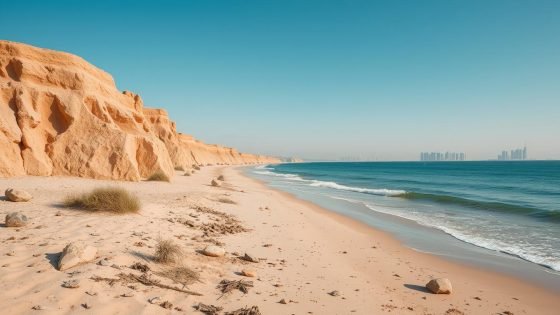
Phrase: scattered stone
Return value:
(16, 219)
(17, 195)
(104, 262)
(215, 183)
(74, 254)
(250, 258)
(71, 284)
(283, 301)
(166, 305)
(248, 273)
(221, 177)
(214, 251)
(439, 286)
(86, 306)
(334, 293)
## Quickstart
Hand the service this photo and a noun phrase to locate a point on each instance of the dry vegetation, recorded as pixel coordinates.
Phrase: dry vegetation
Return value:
(167, 252)
(159, 176)
(181, 274)
(109, 199)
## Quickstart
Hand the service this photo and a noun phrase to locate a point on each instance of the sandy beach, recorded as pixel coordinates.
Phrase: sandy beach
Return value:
(305, 253)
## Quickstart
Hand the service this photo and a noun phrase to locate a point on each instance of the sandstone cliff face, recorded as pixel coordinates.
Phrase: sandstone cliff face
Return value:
(59, 115)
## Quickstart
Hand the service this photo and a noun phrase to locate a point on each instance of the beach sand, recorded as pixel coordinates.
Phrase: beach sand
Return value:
(305, 252)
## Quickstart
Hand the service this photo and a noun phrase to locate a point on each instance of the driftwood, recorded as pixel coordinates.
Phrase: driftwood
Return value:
(229, 285)
(143, 279)
(246, 311)
(208, 309)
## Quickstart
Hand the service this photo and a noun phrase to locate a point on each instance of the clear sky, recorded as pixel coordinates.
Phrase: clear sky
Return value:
(325, 79)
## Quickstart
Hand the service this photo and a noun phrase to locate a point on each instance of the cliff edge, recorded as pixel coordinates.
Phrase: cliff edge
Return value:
(60, 115)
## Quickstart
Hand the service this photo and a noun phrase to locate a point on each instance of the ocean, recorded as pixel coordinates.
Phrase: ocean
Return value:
(499, 214)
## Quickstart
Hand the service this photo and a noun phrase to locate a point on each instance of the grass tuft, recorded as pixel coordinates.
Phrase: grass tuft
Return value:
(109, 199)
(167, 252)
(159, 176)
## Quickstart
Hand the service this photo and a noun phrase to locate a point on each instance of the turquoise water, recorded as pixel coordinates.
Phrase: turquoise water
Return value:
(493, 208)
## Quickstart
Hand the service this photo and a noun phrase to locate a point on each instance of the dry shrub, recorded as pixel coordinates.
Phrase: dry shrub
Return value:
(226, 200)
(167, 252)
(159, 176)
(181, 274)
(110, 199)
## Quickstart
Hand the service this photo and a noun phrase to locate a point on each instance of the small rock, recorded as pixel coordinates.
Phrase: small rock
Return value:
(440, 286)
(248, 273)
(71, 284)
(104, 262)
(38, 308)
(214, 251)
(221, 177)
(74, 254)
(283, 301)
(16, 219)
(128, 294)
(166, 305)
(17, 195)
(334, 293)
(215, 183)
(86, 306)
(58, 214)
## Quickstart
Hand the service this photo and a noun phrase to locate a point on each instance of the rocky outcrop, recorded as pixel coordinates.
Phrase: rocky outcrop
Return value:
(60, 115)
(16, 219)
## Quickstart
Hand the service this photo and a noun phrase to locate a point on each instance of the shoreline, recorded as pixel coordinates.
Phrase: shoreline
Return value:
(305, 252)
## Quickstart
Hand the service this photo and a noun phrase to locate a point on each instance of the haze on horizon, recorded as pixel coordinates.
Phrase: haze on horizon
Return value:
(326, 80)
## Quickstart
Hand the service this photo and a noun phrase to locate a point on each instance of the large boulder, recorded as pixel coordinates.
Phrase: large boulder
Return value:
(74, 254)
(440, 286)
(16, 219)
(17, 195)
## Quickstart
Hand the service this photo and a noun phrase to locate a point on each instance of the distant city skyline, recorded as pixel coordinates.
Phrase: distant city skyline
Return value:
(324, 80)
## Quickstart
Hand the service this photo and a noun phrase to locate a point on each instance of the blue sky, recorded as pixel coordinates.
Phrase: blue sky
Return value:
(325, 79)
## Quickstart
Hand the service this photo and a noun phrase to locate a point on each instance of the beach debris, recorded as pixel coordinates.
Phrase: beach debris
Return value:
(283, 301)
(227, 286)
(144, 279)
(140, 267)
(334, 293)
(17, 195)
(248, 273)
(38, 308)
(166, 305)
(214, 251)
(250, 258)
(254, 310)
(91, 293)
(71, 284)
(180, 274)
(74, 254)
(86, 306)
(128, 294)
(440, 286)
(267, 245)
(208, 309)
(215, 183)
(16, 219)
(221, 177)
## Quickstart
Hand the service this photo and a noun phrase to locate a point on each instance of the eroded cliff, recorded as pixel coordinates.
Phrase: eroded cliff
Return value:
(60, 115)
